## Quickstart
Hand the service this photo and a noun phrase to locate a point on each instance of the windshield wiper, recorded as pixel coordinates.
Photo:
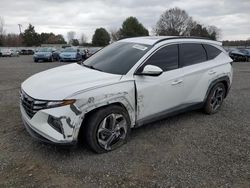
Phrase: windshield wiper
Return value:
(92, 67)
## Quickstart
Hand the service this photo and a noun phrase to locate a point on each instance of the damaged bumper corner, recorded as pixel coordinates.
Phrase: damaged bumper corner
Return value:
(50, 126)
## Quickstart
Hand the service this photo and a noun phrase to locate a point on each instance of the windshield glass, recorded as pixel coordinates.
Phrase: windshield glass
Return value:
(117, 58)
(45, 50)
(243, 51)
(70, 50)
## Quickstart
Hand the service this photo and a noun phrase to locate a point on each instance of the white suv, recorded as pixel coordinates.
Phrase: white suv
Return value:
(125, 85)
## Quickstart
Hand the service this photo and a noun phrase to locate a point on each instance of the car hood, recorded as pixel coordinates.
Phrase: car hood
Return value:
(237, 52)
(62, 82)
(68, 53)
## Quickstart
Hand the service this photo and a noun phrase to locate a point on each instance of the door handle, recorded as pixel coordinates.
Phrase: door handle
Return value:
(176, 82)
(211, 72)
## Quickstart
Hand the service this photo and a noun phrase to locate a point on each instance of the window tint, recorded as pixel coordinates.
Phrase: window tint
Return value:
(191, 54)
(165, 58)
(212, 51)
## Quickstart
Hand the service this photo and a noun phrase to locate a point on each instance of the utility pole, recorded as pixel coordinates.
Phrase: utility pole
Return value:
(20, 28)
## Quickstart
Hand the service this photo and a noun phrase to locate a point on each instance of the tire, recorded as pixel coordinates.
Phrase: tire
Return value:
(51, 59)
(35, 60)
(100, 136)
(215, 99)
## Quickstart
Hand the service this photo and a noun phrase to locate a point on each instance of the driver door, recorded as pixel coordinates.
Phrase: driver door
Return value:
(157, 95)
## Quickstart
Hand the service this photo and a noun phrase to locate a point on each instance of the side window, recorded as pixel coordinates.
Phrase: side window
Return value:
(166, 58)
(191, 54)
(212, 52)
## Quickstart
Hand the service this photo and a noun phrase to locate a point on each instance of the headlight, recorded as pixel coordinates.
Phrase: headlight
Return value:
(53, 104)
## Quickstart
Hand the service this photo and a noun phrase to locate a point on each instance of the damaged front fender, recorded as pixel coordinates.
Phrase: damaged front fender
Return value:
(122, 93)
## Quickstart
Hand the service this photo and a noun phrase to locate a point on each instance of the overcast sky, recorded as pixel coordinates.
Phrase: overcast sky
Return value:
(84, 16)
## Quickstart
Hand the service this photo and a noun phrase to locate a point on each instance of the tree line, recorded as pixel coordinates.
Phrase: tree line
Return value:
(172, 22)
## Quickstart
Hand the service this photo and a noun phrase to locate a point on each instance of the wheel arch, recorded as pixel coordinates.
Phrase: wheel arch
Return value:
(225, 80)
(91, 112)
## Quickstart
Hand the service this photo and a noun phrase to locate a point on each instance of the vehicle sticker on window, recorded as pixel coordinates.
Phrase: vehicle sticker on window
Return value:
(140, 47)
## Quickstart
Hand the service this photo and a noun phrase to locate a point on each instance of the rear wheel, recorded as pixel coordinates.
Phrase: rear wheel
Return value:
(215, 99)
(107, 129)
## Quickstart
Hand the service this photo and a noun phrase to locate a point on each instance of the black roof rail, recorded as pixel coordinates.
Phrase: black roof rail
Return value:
(182, 37)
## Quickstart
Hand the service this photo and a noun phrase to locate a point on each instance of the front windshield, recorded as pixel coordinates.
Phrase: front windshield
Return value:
(117, 58)
(45, 50)
(70, 50)
(243, 51)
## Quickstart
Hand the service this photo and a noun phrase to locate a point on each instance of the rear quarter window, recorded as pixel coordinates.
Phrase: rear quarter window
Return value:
(212, 52)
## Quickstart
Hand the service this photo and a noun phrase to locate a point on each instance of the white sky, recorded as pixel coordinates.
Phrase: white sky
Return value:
(84, 16)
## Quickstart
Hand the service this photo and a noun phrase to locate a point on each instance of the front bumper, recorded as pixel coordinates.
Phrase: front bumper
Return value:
(68, 59)
(42, 58)
(38, 126)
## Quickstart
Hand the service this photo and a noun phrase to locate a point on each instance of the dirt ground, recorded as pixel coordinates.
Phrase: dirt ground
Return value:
(188, 150)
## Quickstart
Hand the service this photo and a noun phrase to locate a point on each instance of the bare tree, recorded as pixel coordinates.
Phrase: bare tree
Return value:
(71, 35)
(2, 31)
(114, 34)
(214, 32)
(83, 39)
(12, 40)
(174, 22)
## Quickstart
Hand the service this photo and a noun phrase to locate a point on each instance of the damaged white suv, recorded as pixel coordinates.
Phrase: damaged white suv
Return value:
(125, 85)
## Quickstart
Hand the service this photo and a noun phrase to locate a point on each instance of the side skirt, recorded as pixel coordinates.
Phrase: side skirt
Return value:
(168, 113)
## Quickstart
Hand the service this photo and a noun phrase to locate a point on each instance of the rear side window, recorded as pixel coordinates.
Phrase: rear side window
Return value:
(166, 58)
(191, 54)
(212, 52)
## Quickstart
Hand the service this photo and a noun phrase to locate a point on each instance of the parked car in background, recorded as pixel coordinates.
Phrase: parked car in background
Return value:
(239, 55)
(6, 52)
(246, 52)
(93, 50)
(14, 53)
(88, 52)
(44, 54)
(127, 84)
(56, 54)
(26, 52)
(0, 53)
(71, 54)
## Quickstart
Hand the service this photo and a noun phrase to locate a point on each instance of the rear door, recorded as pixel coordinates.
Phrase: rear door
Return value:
(198, 71)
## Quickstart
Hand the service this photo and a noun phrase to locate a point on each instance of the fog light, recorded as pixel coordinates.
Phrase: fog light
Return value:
(56, 124)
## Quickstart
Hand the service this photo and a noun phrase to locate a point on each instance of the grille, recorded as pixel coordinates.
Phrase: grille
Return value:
(30, 105)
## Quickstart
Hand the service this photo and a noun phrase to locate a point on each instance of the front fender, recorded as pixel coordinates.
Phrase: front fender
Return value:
(122, 92)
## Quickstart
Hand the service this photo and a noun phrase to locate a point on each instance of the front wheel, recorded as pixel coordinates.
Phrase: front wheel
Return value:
(107, 129)
(215, 99)
(51, 59)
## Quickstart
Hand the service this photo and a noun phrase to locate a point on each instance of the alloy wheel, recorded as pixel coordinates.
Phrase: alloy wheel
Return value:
(217, 98)
(112, 131)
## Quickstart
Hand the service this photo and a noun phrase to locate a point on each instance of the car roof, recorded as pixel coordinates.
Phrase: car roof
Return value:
(152, 40)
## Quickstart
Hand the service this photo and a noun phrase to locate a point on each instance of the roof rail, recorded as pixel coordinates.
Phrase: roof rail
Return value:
(182, 37)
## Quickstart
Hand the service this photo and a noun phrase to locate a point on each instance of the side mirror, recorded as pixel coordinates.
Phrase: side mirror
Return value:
(151, 70)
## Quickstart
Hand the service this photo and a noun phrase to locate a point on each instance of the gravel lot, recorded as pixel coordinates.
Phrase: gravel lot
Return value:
(188, 150)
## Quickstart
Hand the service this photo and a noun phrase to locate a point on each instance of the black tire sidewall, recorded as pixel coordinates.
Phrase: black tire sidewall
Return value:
(207, 108)
(94, 121)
